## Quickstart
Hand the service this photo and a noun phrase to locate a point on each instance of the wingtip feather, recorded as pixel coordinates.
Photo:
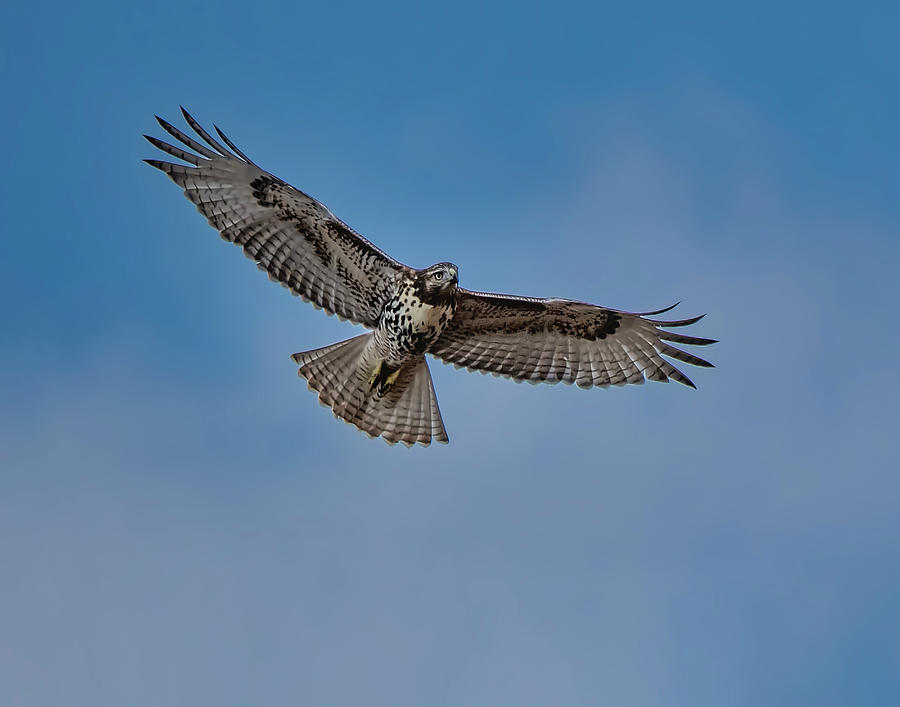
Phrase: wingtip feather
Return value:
(659, 311)
(677, 322)
(232, 145)
(164, 124)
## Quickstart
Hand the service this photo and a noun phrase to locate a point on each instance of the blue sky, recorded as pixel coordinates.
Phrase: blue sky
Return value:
(181, 523)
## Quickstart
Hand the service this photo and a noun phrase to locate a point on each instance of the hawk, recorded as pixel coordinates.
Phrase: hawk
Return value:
(379, 381)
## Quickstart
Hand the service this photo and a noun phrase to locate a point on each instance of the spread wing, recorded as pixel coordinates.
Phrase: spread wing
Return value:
(290, 235)
(560, 340)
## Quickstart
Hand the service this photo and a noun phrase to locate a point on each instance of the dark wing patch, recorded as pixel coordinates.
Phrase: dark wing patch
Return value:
(554, 340)
(290, 235)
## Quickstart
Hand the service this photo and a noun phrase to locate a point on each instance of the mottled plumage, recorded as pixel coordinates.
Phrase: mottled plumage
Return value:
(380, 381)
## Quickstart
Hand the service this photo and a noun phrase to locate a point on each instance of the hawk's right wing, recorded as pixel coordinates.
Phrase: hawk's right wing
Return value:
(554, 340)
(290, 235)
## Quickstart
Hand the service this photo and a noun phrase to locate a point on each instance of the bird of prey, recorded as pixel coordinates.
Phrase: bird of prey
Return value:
(379, 381)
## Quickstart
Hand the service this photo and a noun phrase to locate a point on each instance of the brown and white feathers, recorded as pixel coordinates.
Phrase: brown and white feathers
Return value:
(380, 381)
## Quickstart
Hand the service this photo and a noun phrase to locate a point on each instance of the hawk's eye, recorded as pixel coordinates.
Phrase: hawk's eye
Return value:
(439, 275)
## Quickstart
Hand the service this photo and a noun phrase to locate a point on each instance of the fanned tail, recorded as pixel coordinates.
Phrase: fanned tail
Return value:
(400, 407)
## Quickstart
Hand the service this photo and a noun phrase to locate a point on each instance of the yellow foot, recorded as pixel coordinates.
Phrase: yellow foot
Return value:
(391, 379)
(380, 380)
(375, 374)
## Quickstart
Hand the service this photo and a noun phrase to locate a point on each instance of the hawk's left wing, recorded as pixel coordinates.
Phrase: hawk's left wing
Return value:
(290, 235)
(555, 340)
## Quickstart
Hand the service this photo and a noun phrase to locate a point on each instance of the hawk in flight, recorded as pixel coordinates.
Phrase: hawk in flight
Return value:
(379, 381)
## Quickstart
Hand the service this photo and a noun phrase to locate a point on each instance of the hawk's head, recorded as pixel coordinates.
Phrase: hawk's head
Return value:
(436, 283)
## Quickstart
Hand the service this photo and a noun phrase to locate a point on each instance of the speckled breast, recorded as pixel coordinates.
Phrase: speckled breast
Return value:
(410, 326)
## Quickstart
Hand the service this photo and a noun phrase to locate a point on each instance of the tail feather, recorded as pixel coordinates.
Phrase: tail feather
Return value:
(406, 412)
(437, 422)
(333, 371)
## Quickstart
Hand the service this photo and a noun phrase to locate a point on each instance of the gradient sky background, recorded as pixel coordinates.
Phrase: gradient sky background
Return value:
(182, 524)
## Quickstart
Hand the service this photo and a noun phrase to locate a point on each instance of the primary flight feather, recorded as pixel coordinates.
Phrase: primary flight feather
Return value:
(380, 381)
